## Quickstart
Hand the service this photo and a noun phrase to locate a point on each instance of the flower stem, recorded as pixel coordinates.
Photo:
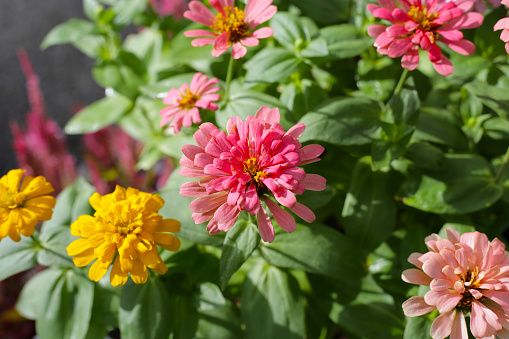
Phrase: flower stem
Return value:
(58, 254)
(228, 79)
(401, 82)
(502, 167)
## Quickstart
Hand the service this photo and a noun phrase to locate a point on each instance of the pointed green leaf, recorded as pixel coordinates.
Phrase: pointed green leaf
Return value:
(17, 257)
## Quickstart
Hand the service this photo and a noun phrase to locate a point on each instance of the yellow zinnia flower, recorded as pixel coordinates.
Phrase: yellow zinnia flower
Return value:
(125, 222)
(23, 204)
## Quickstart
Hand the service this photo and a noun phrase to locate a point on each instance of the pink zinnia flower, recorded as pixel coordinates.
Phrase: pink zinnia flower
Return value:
(169, 7)
(503, 24)
(479, 5)
(231, 26)
(254, 162)
(468, 276)
(421, 23)
(185, 101)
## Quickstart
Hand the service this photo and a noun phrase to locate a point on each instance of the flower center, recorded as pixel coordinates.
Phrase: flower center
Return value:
(232, 22)
(420, 15)
(471, 281)
(12, 200)
(251, 167)
(188, 100)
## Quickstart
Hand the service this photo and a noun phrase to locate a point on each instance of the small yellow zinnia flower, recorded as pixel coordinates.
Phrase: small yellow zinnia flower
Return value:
(23, 204)
(125, 222)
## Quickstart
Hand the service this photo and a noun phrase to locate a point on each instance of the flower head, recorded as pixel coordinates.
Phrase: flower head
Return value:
(185, 101)
(468, 276)
(231, 26)
(256, 161)
(422, 23)
(169, 7)
(503, 24)
(23, 203)
(127, 222)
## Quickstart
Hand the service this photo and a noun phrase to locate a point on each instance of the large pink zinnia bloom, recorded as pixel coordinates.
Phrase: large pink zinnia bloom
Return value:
(185, 101)
(468, 276)
(231, 26)
(503, 24)
(421, 23)
(256, 161)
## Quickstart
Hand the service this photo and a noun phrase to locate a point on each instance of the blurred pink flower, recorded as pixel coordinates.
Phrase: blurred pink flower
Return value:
(40, 146)
(111, 156)
(255, 161)
(468, 276)
(231, 26)
(421, 23)
(503, 24)
(185, 101)
(479, 5)
(169, 7)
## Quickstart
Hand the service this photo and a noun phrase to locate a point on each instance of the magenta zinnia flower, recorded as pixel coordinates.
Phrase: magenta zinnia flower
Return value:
(231, 26)
(468, 276)
(185, 101)
(256, 161)
(503, 24)
(421, 23)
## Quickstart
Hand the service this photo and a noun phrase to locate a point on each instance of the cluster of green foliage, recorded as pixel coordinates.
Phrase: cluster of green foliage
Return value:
(400, 165)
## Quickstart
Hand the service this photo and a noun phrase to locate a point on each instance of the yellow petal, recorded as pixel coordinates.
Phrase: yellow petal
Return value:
(155, 203)
(78, 246)
(106, 252)
(160, 268)
(84, 258)
(117, 277)
(95, 201)
(44, 201)
(150, 257)
(139, 273)
(82, 222)
(169, 225)
(168, 241)
(4, 229)
(37, 186)
(12, 179)
(97, 270)
(28, 222)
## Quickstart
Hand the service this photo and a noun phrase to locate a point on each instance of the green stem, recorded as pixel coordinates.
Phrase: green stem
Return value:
(502, 167)
(228, 79)
(401, 81)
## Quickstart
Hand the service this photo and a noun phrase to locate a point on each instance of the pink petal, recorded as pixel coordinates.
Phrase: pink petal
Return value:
(416, 306)
(442, 326)
(415, 276)
(303, 212)
(199, 13)
(265, 226)
(459, 327)
(238, 51)
(283, 218)
(198, 33)
(444, 66)
(314, 182)
(262, 33)
(192, 189)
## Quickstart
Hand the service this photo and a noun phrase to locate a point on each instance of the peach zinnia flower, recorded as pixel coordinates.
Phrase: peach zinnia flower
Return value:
(184, 103)
(256, 161)
(231, 26)
(125, 222)
(421, 23)
(468, 276)
(23, 203)
(503, 24)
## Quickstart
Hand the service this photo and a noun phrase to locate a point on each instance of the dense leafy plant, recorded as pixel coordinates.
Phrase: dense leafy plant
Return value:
(403, 159)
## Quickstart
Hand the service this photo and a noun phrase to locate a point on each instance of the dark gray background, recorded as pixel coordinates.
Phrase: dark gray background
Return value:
(64, 72)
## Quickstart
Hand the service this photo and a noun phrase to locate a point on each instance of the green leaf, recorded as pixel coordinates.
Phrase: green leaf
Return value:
(439, 126)
(418, 328)
(372, 314)
(70, 31)
(496, 128)
(465, 185)
(315, 48)
(302, 97)
(272, 305)
(17, 257)
(144, 311)
(71, 203)
(248, 102)
(492, 96)
(127, 10)
(55, 241)
(67, 309)
(177, 207)
(461, 228)
(172, 144)
(288, 30)
(324, 12)
(369, 213)
(343, 122)
(147, 46)
(403, 108)
(100, 114)
(426, 156)
(160, 89)
(317, 249)
(344, 41)
(240, 241)
(271, 65)
(35, 295)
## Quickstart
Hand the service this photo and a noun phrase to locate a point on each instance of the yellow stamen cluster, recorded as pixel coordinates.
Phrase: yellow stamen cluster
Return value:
(421, 16)
(232, 22)
(470, 280)
(23, 203)
(126, 224)
(251, 167)
(188, 100)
